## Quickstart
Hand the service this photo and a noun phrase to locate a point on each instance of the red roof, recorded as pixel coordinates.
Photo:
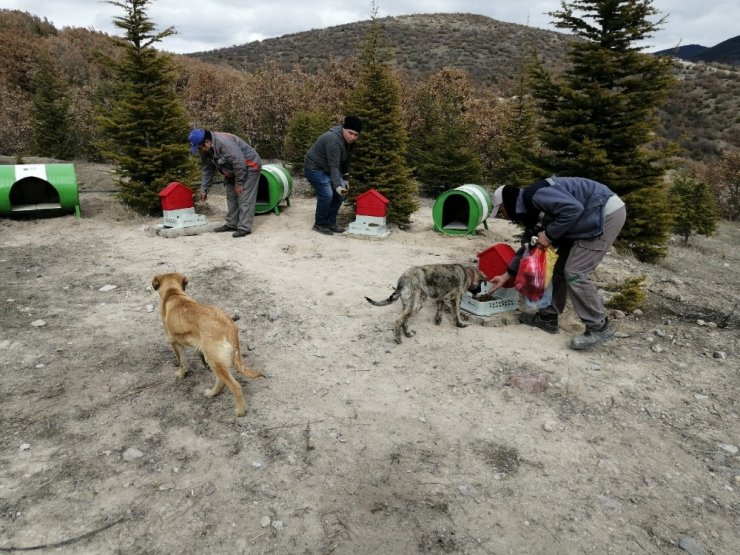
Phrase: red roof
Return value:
(176, 196)
(372, 203)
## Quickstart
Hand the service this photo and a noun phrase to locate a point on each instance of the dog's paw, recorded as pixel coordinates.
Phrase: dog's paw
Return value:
(180, 374)
(240, 412)
(438, 320)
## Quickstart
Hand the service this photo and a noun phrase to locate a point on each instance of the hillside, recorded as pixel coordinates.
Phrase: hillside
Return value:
(490, 50)
(701, 113)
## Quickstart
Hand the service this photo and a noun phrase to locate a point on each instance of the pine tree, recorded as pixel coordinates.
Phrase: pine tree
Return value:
(518, 148)
(694, 209)
(50, 115)
(600, 116)
(145, 123)
(442, 150)
(379, 158)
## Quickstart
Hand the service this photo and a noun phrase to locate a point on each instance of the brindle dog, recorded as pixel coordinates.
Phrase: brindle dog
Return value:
(445, 283)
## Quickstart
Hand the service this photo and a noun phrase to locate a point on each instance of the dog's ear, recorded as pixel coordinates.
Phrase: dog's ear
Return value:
(155, 283)
(184, 282)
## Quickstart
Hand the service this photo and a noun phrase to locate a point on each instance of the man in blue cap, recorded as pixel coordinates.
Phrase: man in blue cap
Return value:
(240, 166)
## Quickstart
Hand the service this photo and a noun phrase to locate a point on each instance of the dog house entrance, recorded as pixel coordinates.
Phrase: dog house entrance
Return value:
(33, 193)
(455, 212)
(263, 191)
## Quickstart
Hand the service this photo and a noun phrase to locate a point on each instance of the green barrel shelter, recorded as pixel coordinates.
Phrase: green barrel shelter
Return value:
(459, 211)
(42, 188)
(275, 186)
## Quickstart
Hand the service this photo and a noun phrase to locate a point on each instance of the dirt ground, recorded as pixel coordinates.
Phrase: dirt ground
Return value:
(353, 444)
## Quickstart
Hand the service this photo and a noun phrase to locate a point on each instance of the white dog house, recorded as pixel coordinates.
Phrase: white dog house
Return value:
(178, 208)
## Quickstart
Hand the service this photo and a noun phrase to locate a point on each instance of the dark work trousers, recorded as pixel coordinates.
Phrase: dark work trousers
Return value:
(240, 208)
(577, 259)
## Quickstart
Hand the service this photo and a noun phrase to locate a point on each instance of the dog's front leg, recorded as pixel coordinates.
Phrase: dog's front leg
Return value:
(181, 360)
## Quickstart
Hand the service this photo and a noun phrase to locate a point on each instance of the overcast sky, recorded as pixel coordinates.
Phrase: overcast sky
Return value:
(209, 24)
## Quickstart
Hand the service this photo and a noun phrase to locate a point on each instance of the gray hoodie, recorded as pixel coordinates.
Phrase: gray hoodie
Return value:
(330, 153)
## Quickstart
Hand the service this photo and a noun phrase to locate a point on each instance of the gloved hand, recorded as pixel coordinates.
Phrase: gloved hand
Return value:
(343, 188)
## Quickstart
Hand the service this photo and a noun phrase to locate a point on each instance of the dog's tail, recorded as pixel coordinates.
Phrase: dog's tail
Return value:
(394, 297)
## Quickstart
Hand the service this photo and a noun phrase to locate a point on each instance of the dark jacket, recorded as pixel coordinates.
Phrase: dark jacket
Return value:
(330, 153)
(565, 208)
(230, 156)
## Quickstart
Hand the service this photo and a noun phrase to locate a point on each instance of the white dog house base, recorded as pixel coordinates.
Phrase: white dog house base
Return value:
(369, 225)
(371, 211)
(185, 217)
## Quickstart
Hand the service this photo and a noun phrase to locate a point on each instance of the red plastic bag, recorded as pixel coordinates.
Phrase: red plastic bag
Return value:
(531, 277)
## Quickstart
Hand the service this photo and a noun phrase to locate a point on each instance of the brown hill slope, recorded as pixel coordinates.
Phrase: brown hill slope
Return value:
(490, 50)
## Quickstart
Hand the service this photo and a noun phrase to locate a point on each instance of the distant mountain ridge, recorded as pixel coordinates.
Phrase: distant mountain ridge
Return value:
(490, 50)
(684, 52)
(726, 52)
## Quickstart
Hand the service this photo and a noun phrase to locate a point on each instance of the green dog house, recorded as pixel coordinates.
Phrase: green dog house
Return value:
(43, 188)
(459, 211)
(275, 186)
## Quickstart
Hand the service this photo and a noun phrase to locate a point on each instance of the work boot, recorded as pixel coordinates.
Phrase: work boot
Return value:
(592, 337)
(335, 228)
(224, 228)
(325, 229)
(241, 233)
(546, 323)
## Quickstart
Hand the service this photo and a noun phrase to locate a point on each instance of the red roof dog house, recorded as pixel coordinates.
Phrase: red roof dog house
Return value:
(371, 210)
(177, 206)
(493, 262)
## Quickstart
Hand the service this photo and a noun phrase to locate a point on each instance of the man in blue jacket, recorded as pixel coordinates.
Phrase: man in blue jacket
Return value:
(324, 165)
(581, 218)
(240, 166)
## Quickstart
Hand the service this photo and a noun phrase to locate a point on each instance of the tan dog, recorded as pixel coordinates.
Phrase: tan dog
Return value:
(209, 329)
(445, 283)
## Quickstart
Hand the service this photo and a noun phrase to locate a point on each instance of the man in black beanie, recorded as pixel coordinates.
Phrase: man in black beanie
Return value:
(581, 218)
(325, 164)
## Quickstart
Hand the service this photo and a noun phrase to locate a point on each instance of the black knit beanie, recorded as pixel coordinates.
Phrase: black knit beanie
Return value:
(353, 123)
